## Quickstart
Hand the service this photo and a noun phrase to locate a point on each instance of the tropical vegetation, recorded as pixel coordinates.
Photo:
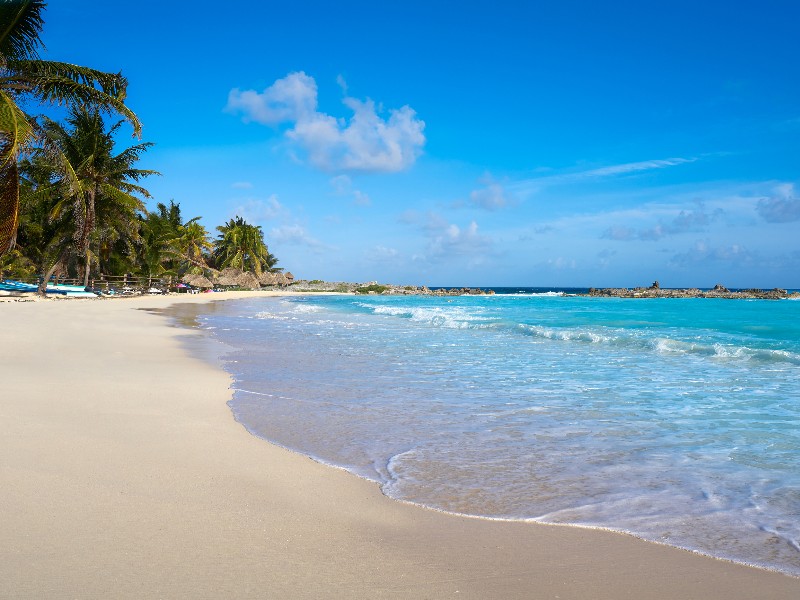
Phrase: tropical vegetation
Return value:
(72, 204)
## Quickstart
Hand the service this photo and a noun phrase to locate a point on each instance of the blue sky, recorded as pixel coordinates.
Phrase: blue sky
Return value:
(503, 143)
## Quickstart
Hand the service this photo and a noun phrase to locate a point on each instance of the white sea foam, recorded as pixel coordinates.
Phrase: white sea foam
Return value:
(268, 315)
(452, 317)
(666, 420)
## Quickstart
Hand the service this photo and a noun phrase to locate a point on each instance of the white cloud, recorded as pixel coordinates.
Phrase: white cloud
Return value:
(365, 142)
(341, 184)
(492, 196)
(289, 99)
(645, 165)
(694, 220)
(782, 207)
(383, 254)
(562, 263)
(242, 185)
(254, 209)
(536, 184)
(298, 236)
(361, 199)
(451, 240)
(703, 252)
(446, 240)
(340, 81)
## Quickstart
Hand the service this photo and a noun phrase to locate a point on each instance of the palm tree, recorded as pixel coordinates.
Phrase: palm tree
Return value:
(241, 245)
(158, 230)
(171, 246)
(193, 244)
(270, 261)
(24, 76)
(98, 189)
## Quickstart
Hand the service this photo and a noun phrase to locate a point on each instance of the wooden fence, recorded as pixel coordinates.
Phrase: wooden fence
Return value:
(110, 282)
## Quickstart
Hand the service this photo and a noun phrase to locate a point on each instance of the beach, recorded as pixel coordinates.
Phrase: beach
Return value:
(125, 475)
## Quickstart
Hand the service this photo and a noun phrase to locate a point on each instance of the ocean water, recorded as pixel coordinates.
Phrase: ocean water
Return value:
(676, 420)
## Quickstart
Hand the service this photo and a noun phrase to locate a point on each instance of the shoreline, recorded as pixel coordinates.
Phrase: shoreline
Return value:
(127, 476)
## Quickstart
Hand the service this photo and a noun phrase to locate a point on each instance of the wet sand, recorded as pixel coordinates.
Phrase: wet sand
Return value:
(124, 475)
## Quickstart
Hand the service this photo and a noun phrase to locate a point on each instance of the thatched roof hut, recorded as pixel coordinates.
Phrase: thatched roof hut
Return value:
(289, 276)
(229, 272)
(280, 279)
(247, 280)
(227, 277)
(201, 282)
(225, 281)
(267, 278)
(189, 278)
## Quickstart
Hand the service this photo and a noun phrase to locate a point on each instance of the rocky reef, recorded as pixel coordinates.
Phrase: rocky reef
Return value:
(718, 291)
(375, 288)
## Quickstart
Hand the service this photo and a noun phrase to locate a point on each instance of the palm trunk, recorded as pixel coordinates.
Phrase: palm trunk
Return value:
(86, 271)
(88, 229)
(42, 289)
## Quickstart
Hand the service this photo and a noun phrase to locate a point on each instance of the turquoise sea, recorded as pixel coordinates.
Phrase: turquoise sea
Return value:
(676, 420)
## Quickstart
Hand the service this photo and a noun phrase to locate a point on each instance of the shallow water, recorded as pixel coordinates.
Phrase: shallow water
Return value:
(675, 420)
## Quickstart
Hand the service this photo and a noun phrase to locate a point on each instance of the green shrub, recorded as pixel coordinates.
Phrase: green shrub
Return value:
(378, 289)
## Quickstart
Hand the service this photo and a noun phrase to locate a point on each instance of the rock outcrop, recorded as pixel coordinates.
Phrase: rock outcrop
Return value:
(718, 291)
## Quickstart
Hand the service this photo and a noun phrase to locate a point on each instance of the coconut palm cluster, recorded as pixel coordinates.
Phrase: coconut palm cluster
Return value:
(72, 203)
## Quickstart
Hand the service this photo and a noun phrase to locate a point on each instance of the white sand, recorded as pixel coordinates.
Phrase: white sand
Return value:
(124, 475)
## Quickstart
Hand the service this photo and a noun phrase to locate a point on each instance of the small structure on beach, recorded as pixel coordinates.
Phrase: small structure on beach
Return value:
(202, 282)
(268, 278)
(248, 281)
(188, 278)
(228, 277)
(289, 277)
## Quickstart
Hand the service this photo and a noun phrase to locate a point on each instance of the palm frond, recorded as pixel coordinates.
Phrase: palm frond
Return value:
(120, 197)
(64, 83)
(15, 129)
(9, 205)
(20, 25)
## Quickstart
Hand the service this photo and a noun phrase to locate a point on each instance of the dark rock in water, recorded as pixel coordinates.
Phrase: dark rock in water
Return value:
(655, 285)
(374, 288)
(719, 291)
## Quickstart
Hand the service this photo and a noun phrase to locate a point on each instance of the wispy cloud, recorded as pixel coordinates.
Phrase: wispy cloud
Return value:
(704, 252)
(781, 207)
(364, 142)
(255, 209)
(492, 196)
(685, 221)
(534, 184)
(242, 185)
(449, 240)
(343, 186)
(297, 235)
(382, 254)
(634, 167)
